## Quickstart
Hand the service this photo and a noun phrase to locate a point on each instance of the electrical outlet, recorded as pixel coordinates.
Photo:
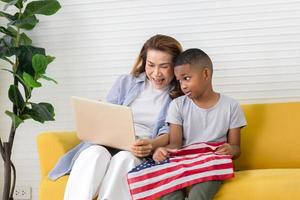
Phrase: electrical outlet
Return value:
(22, 192)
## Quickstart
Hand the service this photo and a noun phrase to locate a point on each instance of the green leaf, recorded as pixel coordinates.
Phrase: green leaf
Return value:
(25, 59)
(8, 16)
(24, 115)
(7, 31)
(19, 4)
(35, 116)
(39, 63)
(49, 107)
(12, 30)
(27, 23)
(15, 96)
(46, 7)
(40, 113)
(25, 40)
(30, 82)
(48, 79)
(15, 118)
(26, 88)
(6, 51)
(50, 59)
(7, 1)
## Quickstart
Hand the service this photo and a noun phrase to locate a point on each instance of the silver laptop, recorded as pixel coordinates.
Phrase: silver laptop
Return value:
(103, 123)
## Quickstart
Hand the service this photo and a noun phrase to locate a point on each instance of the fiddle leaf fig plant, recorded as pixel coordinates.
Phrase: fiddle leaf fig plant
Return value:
(27, 65)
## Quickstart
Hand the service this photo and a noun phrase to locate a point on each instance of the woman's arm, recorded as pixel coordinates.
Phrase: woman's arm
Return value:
(160, 141)
(144, 147)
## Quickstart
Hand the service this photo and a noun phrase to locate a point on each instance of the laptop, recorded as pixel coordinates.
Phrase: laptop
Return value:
(103, 123)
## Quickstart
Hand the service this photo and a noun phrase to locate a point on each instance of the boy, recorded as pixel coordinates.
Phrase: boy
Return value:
(201, 115)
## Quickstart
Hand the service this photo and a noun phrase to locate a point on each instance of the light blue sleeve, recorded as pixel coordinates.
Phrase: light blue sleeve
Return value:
(164, 129)
(66, 162)
(113, 95)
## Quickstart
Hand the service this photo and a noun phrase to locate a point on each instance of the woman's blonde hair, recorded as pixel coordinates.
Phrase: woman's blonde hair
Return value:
(162, 43)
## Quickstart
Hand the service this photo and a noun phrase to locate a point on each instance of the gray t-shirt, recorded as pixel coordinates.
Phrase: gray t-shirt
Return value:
(205, 125)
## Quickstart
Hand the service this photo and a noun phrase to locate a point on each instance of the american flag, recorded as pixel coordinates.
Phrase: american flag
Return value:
(192, 164)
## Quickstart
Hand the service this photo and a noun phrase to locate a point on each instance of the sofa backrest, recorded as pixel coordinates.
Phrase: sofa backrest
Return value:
(272, 137)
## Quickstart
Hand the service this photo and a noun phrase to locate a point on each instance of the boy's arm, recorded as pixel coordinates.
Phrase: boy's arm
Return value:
(176, 136)
(234, 140)
(233, 146)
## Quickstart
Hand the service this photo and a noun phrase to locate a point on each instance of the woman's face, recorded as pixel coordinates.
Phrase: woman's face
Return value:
(159, 69)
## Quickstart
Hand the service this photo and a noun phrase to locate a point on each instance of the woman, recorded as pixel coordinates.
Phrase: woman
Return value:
(148, 90)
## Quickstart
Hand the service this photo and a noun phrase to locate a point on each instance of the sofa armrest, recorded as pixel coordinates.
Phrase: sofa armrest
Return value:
(52, 145)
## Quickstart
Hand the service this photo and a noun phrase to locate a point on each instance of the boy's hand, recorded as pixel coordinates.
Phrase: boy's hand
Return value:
(162, 153)
(225, 149)
(142, 147)
(228, 149)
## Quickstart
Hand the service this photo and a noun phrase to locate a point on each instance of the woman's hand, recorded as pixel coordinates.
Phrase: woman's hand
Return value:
(142, 147)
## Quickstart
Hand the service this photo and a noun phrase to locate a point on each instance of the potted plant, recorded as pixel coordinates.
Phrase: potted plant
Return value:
(28, 66)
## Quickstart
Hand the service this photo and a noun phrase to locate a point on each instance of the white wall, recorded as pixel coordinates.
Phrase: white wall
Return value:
(255, 47)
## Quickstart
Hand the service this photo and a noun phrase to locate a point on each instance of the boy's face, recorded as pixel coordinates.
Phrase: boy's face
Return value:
(193, 81)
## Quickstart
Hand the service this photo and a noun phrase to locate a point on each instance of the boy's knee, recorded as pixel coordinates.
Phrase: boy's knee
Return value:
(204, 191)
(176, 195)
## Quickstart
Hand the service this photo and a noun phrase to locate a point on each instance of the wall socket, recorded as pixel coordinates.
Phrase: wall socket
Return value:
(22, 192)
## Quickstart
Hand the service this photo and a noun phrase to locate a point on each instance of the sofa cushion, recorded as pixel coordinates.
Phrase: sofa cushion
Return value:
(50, 190)
(53, 190)
(262, 184)
(270, 138)
(52, 145)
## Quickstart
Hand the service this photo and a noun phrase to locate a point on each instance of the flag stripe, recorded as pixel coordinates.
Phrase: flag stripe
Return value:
(200, 147)
(147, 176)
(192, 164)
(193, 151)
(184, 160)
(166, 180)
(162, 177)
(182, 183)
(213, 145)
(192, 157)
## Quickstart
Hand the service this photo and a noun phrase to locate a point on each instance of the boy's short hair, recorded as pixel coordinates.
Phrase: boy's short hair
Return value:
(195, 58)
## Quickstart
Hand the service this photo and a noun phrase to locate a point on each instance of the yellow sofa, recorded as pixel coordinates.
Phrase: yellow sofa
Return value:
(268, 169)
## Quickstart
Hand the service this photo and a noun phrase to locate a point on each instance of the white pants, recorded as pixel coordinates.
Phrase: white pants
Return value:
(95, 172)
